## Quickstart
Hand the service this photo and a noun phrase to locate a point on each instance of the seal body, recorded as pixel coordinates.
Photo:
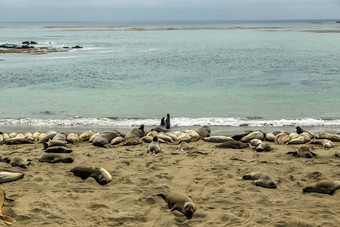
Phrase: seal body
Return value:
(253, 135)
(324, 187)
(19, 141)
(55, 158)
(180, 202)
(104, 139)
(282, 138)
(20, 162)
(101, 175)
(217, 139)
(204, 131)
(136, 132)
(58, 149)
(6, 176)
(261, 179)
(54, 143)
(154, 146)
(303, 152)
(233, 144)
(60, 136)
(241, 135)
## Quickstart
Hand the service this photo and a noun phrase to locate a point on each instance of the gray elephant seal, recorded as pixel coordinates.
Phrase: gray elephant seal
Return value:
(325, 143)
(324, 187)
(162, 127)
(303, 152)
(136, 132)
(48, 137)
(253, 135)
(101, 175)
(54, 143)
(6, 176)
(60, 136)
(204, 131)
(55, 158)
(20, 162)
(180, 202)
(18, 141)
(104, 139)
(241, 135)
(261, 179)
(233, 144)
(154, 146)
(58, 149)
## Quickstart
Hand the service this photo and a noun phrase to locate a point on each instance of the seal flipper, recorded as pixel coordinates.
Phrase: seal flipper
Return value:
(167, 121)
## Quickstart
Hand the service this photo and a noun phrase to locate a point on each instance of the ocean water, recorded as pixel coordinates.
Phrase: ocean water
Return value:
(221, 73)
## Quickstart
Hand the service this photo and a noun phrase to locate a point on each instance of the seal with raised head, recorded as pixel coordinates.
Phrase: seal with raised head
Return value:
(101, 175)
(136, 132)
(261, 179)
(324, 187)
(55, 158)
(204, 131)
(47, 137)
(154, 146)
(167, 121)
(3, 197)
(180, 202)
(20, 162)
(161, 127)
(6, 176)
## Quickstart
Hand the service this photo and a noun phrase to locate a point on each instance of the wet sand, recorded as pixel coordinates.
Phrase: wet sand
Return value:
(49, 195)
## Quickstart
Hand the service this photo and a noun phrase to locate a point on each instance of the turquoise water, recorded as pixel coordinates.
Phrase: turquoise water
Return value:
(223, 73)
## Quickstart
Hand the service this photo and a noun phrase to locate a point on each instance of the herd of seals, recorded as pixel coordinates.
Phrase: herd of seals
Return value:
(57, 147)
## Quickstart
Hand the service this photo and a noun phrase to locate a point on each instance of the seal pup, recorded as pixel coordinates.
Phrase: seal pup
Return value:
(261, 179)
(324, 187)
(233, 144)
(18, 141)
(303, 152)
(180, 202)
(58, 149)
(55, 158)
(136, 132)
(73, 138)
(54, 143)
(3, 197)
(20, 162)
(101, 175)
(6, 176)
(154, 146)
(46, 137)
(204, 131)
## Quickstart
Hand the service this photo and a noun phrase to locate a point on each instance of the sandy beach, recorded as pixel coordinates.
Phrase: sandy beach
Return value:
(49, 195)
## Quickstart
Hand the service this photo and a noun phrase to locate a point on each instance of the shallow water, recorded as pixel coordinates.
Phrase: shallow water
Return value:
(231, 73)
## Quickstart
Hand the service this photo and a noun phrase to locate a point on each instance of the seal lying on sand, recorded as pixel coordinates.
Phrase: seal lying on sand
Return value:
(164, 126)
(136, 132)
(58, 149)
(180, 202)
(154, 146)
(101, 175)
(261, 179)
(233, 144)
(18, 141)
(303, 152)
(2, 199)
(325, 143)
(241, 135)
(20, 162)
(325, 135)
(60, 136)
(204, 131)
(324, 187)
(104, 139)
(55, 158)
(54, 143)
(6, 176)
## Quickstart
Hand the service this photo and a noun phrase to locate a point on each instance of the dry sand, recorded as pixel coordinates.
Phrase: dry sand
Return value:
(50, 196)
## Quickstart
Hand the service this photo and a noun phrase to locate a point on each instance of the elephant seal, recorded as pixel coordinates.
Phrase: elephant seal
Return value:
(324, 187)
(161, 127)
(193, 134)
(282, 138)
(167, 121)
(104, 139)
(241, 135)
(55, 158)
(299, 131)
(303, 152)
(117, 140)
(253, 135)
(73, 138)
(233, 144)
(18, 141)
(217, 139)
(85, 136)
(47, 137)
(270, 137)
(325, 135)
(132, 141)
(260, 146)
(154, 146)
(261, 179)
(60, 136)
(6, 176)
(3, 197)
(54, 143)
(20, 162)
(325, 143)
(4, 159)
(101, 175)
(136, 132)
(204, 131)
(58, 149)
(180, 202)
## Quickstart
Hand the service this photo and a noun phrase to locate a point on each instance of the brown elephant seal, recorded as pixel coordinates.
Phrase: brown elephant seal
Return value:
(263, 147)
(132, 141)
(154, 147)
(282, 138)
(241, 135)
(136, 132)
(18, 141)
(233, 144)
(261, 179)
(73, 138)
(327, 144)
(54, 143)
(3, 197)
(6, 176)
(117, 140)
(4, 159)
(217, 139)
(303, 152)
(60, 136)
(58, 149)
(47, 137)
(193, 134)
(253, 135)
(324, 187)
(161, 127)
(104, 139)
(101, 175)
(55, 158)
(325, 135)
(20, 162)
(85, 136)
(204, 131)
(180, 202)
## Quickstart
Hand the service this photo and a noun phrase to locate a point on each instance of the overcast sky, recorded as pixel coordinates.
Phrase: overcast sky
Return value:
(147, 10)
